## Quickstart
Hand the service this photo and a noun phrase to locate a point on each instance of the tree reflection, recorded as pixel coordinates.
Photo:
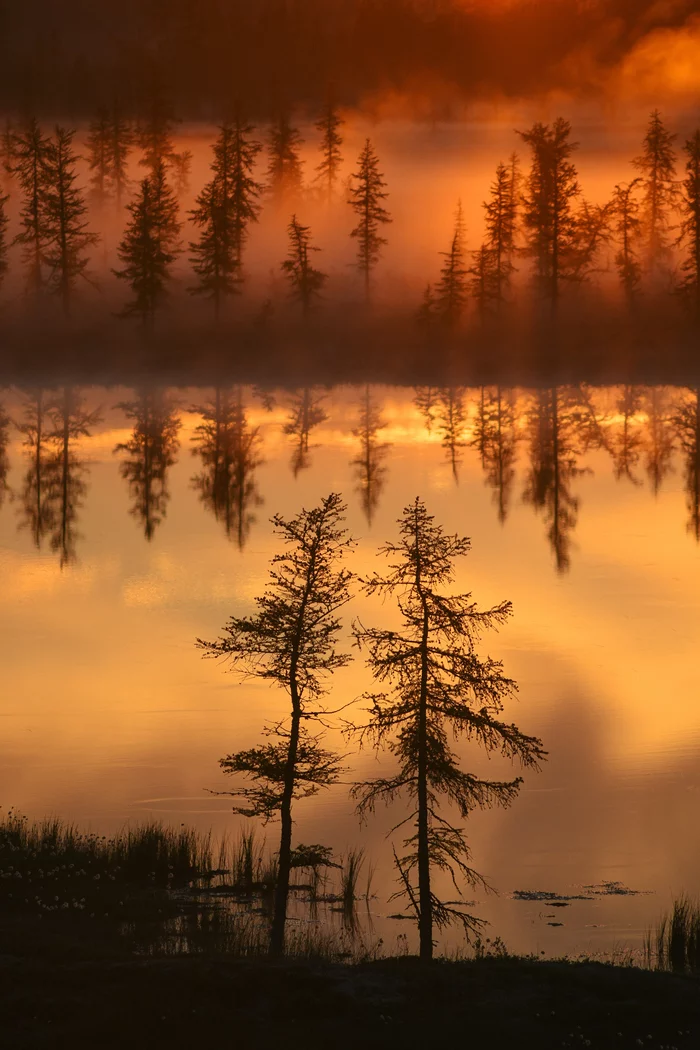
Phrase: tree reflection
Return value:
(37, 496)
(370, 471)
(495, 437)
(625, 437)
(425, 400)
(687, 423)
(149, 453)
(560, 429)
(658, 437)
(306, 413)
(229, 449)
(451, 422)
(5, 423)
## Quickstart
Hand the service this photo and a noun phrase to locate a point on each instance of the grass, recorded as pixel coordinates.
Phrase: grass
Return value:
(675, 944)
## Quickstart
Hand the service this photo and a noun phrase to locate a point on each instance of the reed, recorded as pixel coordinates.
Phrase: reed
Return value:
(675, 943)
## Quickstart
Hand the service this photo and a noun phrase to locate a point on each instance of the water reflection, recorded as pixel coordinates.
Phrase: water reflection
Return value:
(496, 437)
(229, 448)
(370, 471)
(306, 413)
(36, 506)
(687, 422)
(5, 423)
(148, 454)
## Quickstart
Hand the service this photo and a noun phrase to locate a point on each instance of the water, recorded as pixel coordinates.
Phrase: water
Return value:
(582, 505)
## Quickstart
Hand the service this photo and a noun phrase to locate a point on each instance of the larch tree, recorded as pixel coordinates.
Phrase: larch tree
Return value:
(306, 282)
(367, 191)
(327, 172)
(547, 207)
(501, 222)
(99, 142)
(627, 229)
(450, 294)
(437, 686)
(285, 168)
(292, 641)
(31, 152)
(657, 165)
(149, 246)
(66, 227)
(690, 226)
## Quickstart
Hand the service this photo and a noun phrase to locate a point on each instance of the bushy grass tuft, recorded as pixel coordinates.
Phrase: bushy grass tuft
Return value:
(675, 944)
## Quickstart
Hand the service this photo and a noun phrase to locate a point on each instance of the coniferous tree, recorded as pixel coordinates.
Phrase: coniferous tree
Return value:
(181, 164)
(657, 164)
(306, 413)
(366, 195)
(245, 191)
(550, 190)
(284, 171)
(451, 422)
(149, 246)
(687, 424)
(66, 231)
(306, 282)
(450, 295)
(230, 451)
(99, 146)
(658, 438)
(5, 424)
(3, 238)
(426, 314)
(627, 227)
(690, 226)
(625, 438)
(292, 640)
(368, 465)
(155, 137)
(484, 283)
(7, 153)
(501, 218)
(121, 142)
(31, 152)
(498, 444)
(437, 684)
(148, 455)
(69, 423)
(327, 172)
(38, 493)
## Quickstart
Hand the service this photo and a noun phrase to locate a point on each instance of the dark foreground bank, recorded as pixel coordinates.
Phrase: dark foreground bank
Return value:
(193, 1002)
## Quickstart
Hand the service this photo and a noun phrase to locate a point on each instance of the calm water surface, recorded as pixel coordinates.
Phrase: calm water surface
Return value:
(133, 521)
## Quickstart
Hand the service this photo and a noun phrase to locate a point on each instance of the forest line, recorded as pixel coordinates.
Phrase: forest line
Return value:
(544, 242)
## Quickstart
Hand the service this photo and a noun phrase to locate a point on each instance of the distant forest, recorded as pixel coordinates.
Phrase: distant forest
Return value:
(60, 59)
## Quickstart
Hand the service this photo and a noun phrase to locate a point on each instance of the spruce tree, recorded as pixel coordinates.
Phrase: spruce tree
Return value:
(121, 142)
(292, 641)
(327, 172)
(366, 195)
(3, 238)
(690, 226)
(148, 456)
(437, 684)
(31, 153)
(450, 294)
(7, 153)
(501, 218)
(368, 465)
(149, 246)
(484, 284)
(627, 228)
(99, 144)
(245, 190)
(548, 216)
(284, 171)
(181, 164)
(155, 137)
(306, 413)
(306, 282)
(66, 229)
(657, 164)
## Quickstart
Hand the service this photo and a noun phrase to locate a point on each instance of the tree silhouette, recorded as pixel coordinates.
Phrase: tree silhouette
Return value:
(69, 423)
(426, 401)
(450, 294)
(658, 438)
(484, 282)
(451, 422)
(366, 195)
(155, 137)
(7, 152)
(148, 455)
(558, 433)
(31, 151)
(327, 171)
(181, 164)
(38, 496)
(501, 225)
(149, 246)
(687, 425)
(437, 685)
(284, 171)
(224, 209)
(3, 238)
(66, 231)
(625, 438)
(495, 437)
(99, 147)
(550, 190)
(627, 227)
(305, 281)
(229, 449)
(370, 471)
(657, 164)
(306, 413)
(121, 142)
(690, 226)
(5, 424)
(292, 640)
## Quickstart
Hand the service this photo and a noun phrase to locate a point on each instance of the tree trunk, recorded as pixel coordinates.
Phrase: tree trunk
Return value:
(425, 900)
(279, 917)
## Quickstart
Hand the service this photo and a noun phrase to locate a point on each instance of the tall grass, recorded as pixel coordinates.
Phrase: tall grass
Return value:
(675, 943)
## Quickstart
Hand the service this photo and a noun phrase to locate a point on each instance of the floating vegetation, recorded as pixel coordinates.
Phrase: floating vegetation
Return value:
(556, 900)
